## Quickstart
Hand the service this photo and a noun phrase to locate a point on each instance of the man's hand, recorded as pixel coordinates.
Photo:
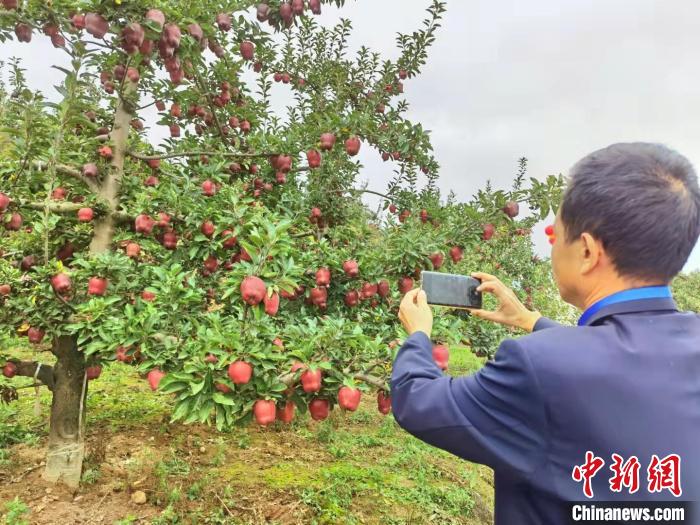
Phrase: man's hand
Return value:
(511, 311)
(415, 314)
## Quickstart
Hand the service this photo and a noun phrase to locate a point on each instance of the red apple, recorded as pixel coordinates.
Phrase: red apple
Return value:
(319, 408)
(272, 304)
(511, 209)
(154, 378)
(298, 7)
(319, 296)
(286, 14)
(383, 288)
(352, 146)
(133, 250)
(144, 224)
(209, 188)
(230, 239)
(349, 398)
(93, 372)
(58, 194)
(311, 380)
(9, 370)
(240, 372)
(15, 222)
(222, 388)
(61, 283)
(148, 296)
(323, 277)
(436, 259)
(27, 263)
(264, 412)
(456, 253)
(85, 214)
(208, 229)
(368, 290)
(211, 264)
(315, 6)
(223, 21)
(5, 290)
(4, 202)
(171, 36)
(313, 157)
(263, 12)
(96, 25)
(352, 298)
(441, 355)
(97, 286)
(405, 285)
(90, 170)
(156, 16)
(253, 290)
(23, 32)
(286, 414)
(78, 21)
(351, 268)
(327, 141)
(488, 231)
(35, 335)
(247, 50)
(383, 402)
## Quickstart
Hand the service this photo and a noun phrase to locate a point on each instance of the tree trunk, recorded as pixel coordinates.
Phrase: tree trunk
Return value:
(103, 232)
(64, 461)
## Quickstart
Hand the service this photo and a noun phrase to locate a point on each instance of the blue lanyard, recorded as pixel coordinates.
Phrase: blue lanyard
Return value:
(633, 294)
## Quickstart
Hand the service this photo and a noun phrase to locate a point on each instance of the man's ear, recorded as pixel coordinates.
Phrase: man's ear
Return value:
(591, 254)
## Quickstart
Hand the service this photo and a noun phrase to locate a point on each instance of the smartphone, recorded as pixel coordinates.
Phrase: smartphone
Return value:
(455, 291)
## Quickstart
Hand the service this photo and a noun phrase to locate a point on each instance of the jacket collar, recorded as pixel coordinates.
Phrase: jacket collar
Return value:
(649, 298)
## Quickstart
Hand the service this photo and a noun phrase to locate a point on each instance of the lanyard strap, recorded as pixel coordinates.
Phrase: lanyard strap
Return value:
(633, 294)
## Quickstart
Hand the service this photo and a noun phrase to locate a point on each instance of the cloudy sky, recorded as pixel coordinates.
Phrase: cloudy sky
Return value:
(545, 79)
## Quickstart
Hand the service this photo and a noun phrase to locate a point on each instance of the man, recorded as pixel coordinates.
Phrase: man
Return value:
(625, 381)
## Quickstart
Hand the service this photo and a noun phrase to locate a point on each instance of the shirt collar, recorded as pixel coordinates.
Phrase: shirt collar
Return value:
(640, 299)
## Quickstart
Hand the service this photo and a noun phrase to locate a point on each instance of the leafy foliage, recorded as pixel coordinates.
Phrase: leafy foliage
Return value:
(232, 193)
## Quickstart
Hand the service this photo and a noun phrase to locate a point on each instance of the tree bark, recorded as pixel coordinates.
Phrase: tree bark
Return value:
(109, 191)
(66, 447)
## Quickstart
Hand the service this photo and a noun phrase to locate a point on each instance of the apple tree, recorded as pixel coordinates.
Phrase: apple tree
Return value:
(233, 263)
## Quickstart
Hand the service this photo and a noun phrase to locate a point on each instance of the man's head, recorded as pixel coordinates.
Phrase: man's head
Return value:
(630, 217)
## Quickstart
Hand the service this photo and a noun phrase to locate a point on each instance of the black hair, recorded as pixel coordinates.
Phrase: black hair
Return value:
(642, 201)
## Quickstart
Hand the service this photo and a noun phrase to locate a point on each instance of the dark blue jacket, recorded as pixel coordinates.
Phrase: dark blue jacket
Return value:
(626, 381)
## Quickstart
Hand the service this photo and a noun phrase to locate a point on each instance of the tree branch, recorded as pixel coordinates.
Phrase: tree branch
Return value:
(371, 380)
(372, 192)
(28, 369)
(141, 156)
(57, 207)
(70, 172)
(288, 379)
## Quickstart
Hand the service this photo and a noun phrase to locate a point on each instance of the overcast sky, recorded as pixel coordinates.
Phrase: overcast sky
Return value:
(545, 79)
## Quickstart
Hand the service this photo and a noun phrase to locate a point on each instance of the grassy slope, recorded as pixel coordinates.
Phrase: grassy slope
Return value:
(351, 468)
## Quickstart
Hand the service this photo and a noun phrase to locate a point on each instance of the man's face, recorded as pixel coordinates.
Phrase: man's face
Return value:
(565, 263)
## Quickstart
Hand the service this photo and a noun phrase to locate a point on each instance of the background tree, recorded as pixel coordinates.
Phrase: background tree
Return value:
(235, 266)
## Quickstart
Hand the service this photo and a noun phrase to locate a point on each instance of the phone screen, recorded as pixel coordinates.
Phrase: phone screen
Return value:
(457, 291)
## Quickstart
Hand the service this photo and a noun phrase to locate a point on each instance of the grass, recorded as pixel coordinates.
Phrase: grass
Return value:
(351, 468)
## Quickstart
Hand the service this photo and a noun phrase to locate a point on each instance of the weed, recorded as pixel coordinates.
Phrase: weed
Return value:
(14, 512)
